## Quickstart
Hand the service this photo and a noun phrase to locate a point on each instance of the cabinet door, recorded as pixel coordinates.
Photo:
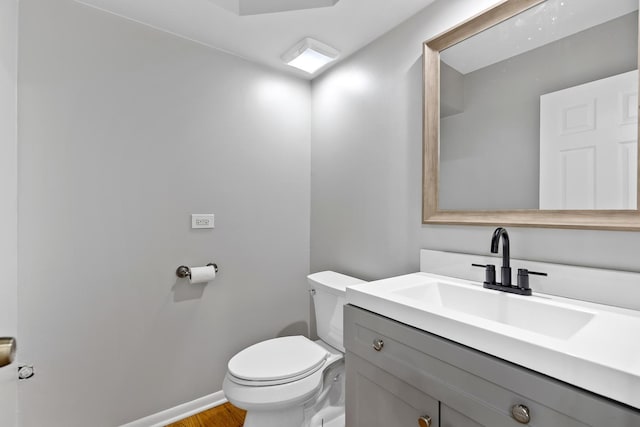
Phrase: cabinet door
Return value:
(377, 399)
(451, 418)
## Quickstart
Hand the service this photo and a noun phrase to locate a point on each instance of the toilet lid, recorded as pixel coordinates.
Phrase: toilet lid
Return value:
(277, 359)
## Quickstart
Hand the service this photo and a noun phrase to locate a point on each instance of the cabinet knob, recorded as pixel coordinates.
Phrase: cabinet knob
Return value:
(378, 344)
(521, 414)
(424, 421)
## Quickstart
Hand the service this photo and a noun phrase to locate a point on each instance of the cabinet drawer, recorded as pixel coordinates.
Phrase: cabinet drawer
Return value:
(480, 386)
(375, 398)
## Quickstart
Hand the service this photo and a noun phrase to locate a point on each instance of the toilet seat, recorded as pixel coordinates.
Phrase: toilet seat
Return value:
(277, 361)
(277, 397)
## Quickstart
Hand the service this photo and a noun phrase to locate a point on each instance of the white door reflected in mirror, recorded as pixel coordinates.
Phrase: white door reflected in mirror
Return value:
(589, 145)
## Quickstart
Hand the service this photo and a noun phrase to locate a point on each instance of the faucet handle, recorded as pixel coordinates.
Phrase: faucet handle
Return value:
(523, 277)
(537, 273)
(489, 273)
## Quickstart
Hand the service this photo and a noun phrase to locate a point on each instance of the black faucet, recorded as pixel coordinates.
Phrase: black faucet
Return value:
(505, 271)
(522, 288)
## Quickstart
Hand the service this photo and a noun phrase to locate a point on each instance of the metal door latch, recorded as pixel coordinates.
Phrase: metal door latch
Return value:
(25, 372)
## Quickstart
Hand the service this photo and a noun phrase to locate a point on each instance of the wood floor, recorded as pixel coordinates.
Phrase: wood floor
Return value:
(225, 415)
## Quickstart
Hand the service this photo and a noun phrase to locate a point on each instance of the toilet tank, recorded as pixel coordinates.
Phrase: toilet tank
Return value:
(329, 299)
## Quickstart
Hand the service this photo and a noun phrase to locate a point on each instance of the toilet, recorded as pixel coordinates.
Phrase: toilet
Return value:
(294, 381)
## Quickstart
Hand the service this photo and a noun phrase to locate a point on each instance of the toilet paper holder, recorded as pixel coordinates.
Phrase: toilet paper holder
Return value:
(183, 271)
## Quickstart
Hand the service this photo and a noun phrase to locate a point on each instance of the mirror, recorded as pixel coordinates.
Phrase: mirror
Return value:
(531, 117)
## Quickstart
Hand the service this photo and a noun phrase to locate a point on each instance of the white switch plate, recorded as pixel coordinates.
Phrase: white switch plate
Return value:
(202, 221)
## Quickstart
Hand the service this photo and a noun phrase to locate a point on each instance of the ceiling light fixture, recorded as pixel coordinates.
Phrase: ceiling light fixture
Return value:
(310, 55)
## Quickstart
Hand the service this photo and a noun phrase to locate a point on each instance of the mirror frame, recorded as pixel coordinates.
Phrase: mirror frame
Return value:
(431, 213)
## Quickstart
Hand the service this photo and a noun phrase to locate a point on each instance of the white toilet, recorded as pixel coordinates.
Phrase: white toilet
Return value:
(293, 381)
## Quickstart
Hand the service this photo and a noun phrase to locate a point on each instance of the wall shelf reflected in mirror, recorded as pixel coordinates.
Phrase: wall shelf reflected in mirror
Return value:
(531, 117)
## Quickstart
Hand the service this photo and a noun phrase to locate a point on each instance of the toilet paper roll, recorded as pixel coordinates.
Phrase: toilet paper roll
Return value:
(202, 274)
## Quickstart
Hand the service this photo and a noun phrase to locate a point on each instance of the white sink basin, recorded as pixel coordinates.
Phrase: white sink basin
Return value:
(534, 315)
(590, 345)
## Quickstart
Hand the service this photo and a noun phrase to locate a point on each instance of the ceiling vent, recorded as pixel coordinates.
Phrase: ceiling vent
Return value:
(256, 7)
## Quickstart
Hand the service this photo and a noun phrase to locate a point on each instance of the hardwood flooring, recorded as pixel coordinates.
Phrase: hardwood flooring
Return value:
(225, 415)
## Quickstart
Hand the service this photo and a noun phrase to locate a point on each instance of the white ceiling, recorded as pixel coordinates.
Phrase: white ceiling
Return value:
(263, 38)
(255, 7)
(543, 24)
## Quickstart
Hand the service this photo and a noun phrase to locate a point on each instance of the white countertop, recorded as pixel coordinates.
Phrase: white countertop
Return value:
(596, 348)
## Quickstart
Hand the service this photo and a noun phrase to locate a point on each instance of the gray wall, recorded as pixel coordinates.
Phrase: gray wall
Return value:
(9, 194)
(124, 132)
(367, 161)
(451, 91)
(496, 140)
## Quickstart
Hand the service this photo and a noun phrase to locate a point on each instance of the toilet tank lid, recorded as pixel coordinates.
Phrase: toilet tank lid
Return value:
(333, 281)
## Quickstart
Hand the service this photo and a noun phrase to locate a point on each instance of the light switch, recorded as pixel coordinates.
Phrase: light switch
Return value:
(202, 220)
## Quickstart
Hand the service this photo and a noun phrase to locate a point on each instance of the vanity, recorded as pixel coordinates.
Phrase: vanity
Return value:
(431, 350)
(420, 379)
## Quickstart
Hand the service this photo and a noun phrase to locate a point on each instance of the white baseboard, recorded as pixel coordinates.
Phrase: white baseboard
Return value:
(180, 412)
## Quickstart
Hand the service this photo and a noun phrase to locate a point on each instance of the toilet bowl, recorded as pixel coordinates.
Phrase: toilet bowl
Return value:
(294, 381)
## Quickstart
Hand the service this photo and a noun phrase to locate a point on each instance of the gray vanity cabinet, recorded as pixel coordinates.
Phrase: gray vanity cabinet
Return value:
(397, 374)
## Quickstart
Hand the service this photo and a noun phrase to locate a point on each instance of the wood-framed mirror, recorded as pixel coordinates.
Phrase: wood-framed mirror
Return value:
(507, 143)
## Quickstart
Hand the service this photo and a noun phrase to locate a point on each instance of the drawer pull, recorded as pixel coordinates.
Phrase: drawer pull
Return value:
(378, 344)
(520, 413)
(424, 421)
